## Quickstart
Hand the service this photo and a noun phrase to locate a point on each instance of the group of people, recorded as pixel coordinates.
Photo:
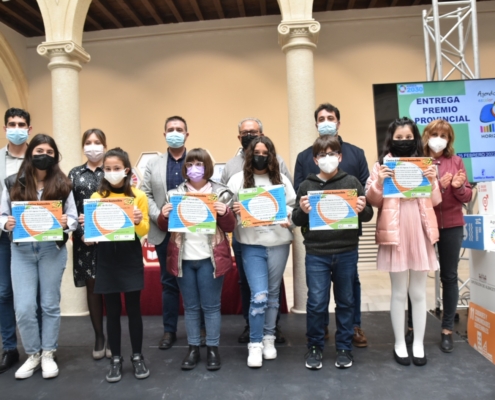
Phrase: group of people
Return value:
(194, 264)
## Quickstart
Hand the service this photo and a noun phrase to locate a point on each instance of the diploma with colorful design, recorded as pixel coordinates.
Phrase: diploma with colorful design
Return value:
(37, 221)
(263, 206)
(193, 213)
(408, 180)
(333, 209)
(109, 219)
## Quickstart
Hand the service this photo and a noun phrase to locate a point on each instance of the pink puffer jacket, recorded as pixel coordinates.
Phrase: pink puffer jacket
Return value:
(387, 226)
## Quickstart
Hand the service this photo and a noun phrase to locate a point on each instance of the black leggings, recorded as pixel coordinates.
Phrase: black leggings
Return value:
(114, 309)
(449, 247)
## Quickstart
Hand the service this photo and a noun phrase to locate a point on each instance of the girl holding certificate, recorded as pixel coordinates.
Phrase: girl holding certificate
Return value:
(406, 232)
(200, 261)
(37, 266)
(265, 249)
(438, 142)
(86, 179)
(119, 266)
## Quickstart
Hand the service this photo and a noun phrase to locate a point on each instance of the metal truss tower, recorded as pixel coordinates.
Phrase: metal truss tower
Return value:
(450, 46)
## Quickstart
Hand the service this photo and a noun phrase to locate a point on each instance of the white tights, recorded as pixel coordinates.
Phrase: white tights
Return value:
(417, 293)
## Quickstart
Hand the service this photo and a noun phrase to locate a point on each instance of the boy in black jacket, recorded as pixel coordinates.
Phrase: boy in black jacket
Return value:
(331, 256)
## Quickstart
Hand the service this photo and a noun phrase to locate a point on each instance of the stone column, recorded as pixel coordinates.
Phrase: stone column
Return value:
(298, 40)
(64, 64)
(65, 57)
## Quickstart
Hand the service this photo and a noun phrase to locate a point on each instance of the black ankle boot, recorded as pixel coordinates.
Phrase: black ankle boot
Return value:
(212, 358)
(191, 359)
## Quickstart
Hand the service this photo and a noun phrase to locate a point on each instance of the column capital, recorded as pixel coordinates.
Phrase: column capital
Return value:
(293, 34)
(65, 54)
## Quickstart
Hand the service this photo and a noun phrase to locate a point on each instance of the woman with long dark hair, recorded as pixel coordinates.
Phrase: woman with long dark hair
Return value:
(265, 249)
(38, 266)
(119, 266)
(406, 232)
(86, 179)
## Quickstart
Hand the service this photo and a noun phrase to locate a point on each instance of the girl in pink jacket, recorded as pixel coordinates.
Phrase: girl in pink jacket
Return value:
(406, 232)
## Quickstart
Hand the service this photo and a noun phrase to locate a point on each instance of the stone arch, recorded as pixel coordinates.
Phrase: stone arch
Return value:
(12, 76)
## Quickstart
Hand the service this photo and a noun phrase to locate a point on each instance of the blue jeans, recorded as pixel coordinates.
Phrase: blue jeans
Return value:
(264, 268)
(201, 291)
(38, 265)
(170, 290)
(321, 271)
(7, 314)
(357, 304)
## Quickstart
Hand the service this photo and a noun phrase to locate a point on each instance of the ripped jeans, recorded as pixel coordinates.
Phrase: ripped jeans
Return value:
(264, 268)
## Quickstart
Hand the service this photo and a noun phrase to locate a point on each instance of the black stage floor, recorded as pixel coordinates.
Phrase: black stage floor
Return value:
(463, 374)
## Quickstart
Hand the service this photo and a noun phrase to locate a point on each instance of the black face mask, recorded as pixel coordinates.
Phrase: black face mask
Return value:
(403, 148)
(43, 161)
(245, 140)
(260, 162)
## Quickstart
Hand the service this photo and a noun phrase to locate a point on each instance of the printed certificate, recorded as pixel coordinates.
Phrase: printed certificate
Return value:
(408, 180)
(263, 206)
(37, 221)
(193, 212)
(333, 209)
(109, 219)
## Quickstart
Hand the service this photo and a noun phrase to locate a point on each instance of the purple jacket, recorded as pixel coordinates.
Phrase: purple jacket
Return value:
(449, 211)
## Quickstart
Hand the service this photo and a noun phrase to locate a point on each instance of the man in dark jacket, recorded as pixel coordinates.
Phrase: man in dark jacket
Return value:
(331, 256)
(354, 162)
(17, 129)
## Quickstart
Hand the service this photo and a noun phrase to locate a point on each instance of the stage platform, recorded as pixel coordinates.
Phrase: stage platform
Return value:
(463, 374)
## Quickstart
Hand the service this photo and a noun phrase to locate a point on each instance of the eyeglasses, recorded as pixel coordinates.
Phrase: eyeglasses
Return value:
(330, 153)
(194, 164)
(13, 124)
(251, 133)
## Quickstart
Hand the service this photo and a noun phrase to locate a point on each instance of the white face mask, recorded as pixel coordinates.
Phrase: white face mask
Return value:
(115, 177)
(328, 164)
(94, 152)
(437, 144)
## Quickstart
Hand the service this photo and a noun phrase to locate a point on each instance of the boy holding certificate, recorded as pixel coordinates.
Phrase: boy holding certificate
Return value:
(331, 255)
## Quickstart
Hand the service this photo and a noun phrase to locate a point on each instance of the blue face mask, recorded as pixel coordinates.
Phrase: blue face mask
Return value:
(17, 136)
(327, 128)
(175, 139)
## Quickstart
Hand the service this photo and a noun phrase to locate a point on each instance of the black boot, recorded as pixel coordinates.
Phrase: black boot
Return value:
(9, 358)
(447, 343)
(191, 359)
(212, 358)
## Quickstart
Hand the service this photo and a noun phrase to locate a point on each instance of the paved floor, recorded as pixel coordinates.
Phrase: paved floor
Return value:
(460, 375)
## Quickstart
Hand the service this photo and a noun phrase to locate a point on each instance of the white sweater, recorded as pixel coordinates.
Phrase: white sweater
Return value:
(268, 236)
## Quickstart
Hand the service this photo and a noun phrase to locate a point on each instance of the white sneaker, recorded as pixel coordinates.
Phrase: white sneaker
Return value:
(269, 350)
(32, 364)
(255, 358)
(48, 364)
